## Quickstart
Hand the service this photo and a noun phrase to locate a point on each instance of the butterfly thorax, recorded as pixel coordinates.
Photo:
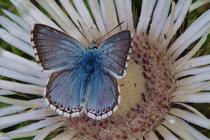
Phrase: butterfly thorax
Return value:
(90, 61)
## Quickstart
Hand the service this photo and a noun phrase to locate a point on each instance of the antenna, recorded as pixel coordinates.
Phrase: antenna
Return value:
(113, 29)
(98, 40)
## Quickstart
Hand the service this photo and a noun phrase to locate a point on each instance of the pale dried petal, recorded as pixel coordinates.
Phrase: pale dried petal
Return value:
(165, 133)
(14, 41)
(191, 109)
(121, 11)
(22, 77)
(159, 18)
(192, 118)
(47, 130)
(11, 110)
(151, 136)
(14, 29)
(6, 92)
(173, 126)
(20, 67)
(180, 62)
(62, 19)
(146, 13)
(23, 13)
(198, 4)
(202, 97)
(95, 8)
(19, 59)
(38, 103)
(36, 125)
(18, 20)
(23, 88)
(197, 29)
(36, 13)
(180, 123)
(196, 62)
(29, 115)
(109, 15)
(86, 18)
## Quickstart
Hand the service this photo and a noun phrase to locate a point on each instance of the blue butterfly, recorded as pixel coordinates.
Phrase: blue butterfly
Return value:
(83, 79)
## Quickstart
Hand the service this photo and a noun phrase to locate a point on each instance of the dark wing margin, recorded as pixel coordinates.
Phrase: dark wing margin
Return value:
(55, 49)
(115, 53)
(102, 96)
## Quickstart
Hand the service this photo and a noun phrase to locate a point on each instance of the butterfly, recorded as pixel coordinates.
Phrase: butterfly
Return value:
(83, 79)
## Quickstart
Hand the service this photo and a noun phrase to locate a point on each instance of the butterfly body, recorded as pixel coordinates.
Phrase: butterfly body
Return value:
(82, 79)
(90, 61)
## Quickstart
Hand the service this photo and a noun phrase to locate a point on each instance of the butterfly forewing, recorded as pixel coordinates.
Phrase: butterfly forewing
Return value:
(115, 53)
(55, 49)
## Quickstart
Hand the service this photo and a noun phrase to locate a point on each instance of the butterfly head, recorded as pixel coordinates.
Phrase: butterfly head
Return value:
(95, 44)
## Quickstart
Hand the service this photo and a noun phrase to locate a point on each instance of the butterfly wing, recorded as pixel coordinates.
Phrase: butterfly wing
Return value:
(64, 92)
(103, 95)
(114, 53)
(55, 49)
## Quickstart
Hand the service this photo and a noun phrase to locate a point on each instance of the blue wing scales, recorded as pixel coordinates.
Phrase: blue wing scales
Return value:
(102, 95)
(55, 49)
(114, 53)
(65, 92)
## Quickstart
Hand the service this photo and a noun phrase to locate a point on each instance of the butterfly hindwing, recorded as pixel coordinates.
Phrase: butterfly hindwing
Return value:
(103, 95)
(65, 90)
(115, 53)
(55, 49)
